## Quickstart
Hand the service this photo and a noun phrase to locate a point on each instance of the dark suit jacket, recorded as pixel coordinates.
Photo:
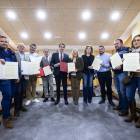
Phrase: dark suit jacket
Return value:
(79, 66)
(55, 59)
(85, 63)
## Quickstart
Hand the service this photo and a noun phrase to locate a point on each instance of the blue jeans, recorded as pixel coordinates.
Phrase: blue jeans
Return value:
(8, 88)
(87, 85)
(131, 89)
(121, 89)
(18, 99)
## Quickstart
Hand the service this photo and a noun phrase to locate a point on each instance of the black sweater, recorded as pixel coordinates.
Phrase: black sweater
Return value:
(88, 63)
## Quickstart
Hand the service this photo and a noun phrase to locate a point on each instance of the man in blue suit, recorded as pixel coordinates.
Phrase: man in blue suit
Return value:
(55, 63)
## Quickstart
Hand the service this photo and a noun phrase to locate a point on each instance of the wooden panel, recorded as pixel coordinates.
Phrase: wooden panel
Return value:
(121, 4)
(71, 26)
(128, 42)
(6, 3)
(38, 3)
(6, 26)
(105, 3)
(71, 3)
(88, 4)
(21, 3)
(55, 3)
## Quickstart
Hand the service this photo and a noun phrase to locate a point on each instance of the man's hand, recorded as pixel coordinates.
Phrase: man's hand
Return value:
(138, 70)
(102, 64)
(96, 77)
(90, 67)
(21, 70)
(57, 65)
(17, 80)
(118, 67)
(2, 61)
(109, 60)
(75, 70)
(123, 59)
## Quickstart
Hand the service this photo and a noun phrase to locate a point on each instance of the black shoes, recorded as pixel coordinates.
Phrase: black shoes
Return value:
(111, 102)
(66, 102)
(22, 109)
(101, 101)
(52, 99)
(56, 102)
(89, 101)
(45, 100)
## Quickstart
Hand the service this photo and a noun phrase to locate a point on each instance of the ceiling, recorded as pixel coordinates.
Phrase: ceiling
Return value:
(69, 23)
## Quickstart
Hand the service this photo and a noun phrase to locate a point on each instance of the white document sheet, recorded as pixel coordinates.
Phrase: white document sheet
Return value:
(38, 59)
(71, 66)
(116, 60)
(47, 70)
(25, 66)
(131, 62)
(34, 68)
(9, 70)
(96, 64)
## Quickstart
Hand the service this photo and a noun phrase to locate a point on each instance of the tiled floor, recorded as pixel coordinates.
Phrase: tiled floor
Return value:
(44, 121)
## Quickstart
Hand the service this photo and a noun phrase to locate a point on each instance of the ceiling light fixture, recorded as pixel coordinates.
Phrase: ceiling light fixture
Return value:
(48, 35)
(82, 35)
(115, 16)
(104, 35)
(41, 15)
(24, 35)
(11, 15)
(86, 15)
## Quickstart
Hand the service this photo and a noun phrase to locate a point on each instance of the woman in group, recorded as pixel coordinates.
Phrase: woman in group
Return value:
(76, 76)
(131, 89)
(88, 74)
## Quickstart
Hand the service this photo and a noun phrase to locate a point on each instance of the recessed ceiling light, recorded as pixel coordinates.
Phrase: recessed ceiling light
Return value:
(24, 35)
(115, 16)
(11, 15)
(104, 35)
(82, 35)
(48, 35)
(100, 15)
(86, 15)
(41, 15)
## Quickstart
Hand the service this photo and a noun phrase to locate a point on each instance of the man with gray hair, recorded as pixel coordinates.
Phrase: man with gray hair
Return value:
(47, 79)
(18, 99)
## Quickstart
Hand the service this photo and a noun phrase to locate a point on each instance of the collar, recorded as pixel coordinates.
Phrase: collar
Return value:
(20, 53)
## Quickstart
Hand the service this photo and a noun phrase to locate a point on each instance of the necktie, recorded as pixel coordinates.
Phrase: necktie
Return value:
(47, 60)
(61, 57)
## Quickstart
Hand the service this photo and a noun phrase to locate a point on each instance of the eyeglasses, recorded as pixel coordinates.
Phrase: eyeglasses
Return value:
(136, 40)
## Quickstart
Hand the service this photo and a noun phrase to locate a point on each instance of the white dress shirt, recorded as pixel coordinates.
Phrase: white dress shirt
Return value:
(60, 56)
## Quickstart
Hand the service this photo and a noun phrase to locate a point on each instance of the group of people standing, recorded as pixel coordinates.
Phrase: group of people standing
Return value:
(84, 70)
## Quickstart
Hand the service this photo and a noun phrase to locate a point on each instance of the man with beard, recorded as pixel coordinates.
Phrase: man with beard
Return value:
(31, 96)
(118, 79)
(7, 86)
(104, 75)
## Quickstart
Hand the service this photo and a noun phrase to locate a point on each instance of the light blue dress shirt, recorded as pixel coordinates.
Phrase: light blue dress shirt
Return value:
(32, 54)
(22, 56)
(104, 57)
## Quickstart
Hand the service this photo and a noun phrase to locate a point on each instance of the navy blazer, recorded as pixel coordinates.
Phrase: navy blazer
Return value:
(55, 59)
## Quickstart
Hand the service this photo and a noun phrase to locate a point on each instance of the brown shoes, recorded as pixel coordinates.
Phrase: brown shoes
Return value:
(133, 116)
(22, 109)
(123, 113)
(16, 113)
(117, 108)
(7, 122)
(138, 123)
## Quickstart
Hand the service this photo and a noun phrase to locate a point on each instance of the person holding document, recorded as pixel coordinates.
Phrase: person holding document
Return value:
(104, 75)
(55, 63)
(7, 86)
(18, 99)
(76, 76)
(88, 74)
(31, 96)
(47, 79)
(118, 79)
(131, 89)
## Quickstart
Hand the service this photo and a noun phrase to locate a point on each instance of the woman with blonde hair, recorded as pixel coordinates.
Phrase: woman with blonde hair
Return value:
(88, 73)
(76, 76)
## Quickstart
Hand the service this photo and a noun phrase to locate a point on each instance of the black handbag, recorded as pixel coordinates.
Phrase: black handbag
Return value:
(128, 79)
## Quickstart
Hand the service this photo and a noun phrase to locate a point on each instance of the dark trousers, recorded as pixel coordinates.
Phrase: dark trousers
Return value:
(18, 99)
(105, 78)
(7, 87)
(63, 76)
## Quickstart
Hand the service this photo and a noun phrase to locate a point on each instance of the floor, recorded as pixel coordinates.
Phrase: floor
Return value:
(44, 121)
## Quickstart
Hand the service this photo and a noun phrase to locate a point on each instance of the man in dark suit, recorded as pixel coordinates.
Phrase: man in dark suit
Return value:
(55, 62)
